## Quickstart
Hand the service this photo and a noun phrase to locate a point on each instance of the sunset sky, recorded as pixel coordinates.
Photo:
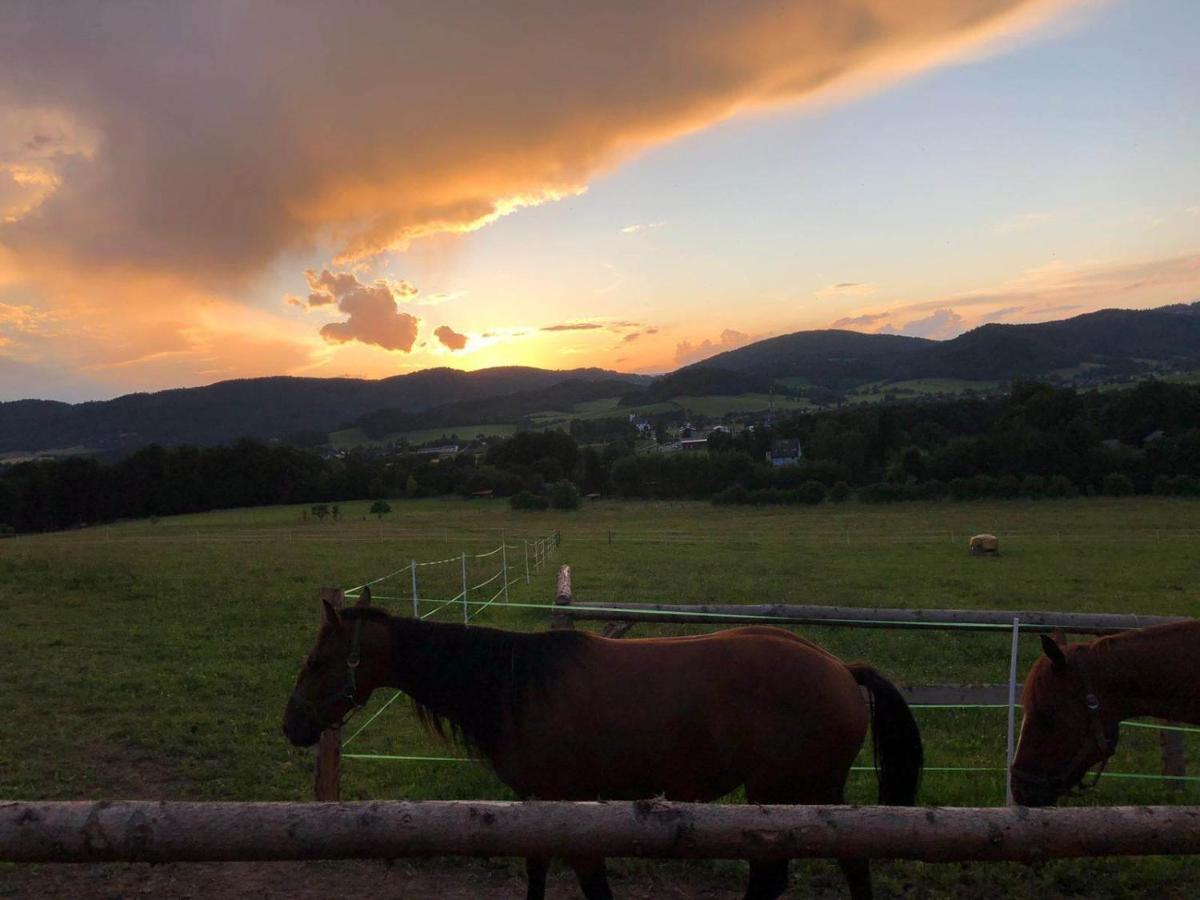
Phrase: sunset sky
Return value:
(191, 192)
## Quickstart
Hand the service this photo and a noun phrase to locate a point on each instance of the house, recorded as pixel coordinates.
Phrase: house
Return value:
(694, 443)
(784, 453)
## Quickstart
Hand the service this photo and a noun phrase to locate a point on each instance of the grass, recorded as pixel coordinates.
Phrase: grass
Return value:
(349, 438)
(154, 660)
(920, 387)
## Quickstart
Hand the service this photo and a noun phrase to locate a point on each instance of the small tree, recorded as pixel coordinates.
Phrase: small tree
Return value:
(564, 495)
(411, 487)
(335, 512)
(320, 510)
(1117, 484)
(380, 508)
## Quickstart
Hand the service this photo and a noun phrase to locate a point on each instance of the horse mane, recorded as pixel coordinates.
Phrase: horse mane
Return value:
(464, 680)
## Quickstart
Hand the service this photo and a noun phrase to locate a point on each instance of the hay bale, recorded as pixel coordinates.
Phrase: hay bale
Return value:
(984, 545)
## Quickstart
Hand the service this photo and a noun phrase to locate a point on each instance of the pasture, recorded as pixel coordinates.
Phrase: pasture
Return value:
(153, 660)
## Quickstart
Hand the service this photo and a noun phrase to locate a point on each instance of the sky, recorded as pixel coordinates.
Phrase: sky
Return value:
(193, 192)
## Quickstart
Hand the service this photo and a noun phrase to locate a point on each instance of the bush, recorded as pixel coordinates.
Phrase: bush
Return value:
(1008, 486)
(735, 493)
(564, 495)
(811, 492)
(380, 508)
(7, 531)
(526, 500)
(884, 492)
(928, 490)
(840, 492)
(1117, 484)
(1061, 486)
(962, 489)
(1033, 486)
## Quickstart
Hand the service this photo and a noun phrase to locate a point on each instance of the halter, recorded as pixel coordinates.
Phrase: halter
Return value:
(1061, 783)
(349, 692)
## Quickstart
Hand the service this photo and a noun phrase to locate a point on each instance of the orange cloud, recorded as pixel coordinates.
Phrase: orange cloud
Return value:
(1042, 293)
(450, 338)
(397, 126)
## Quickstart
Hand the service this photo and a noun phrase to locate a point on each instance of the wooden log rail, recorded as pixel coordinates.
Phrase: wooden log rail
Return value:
(159, 832)
(857, 617)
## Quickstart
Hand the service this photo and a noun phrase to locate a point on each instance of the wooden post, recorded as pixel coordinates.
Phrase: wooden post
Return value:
(466, 612)
(526, 543)
(562, 597)
(1012, 704)
(327, 779)
(504, 568)
(1173, 759)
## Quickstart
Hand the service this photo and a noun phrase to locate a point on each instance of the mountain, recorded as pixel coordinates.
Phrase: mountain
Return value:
(1110, 342)
(261, 407)
(832, 358)
(1090, 348)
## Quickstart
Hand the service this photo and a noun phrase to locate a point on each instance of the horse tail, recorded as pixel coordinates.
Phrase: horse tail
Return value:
(896, 741)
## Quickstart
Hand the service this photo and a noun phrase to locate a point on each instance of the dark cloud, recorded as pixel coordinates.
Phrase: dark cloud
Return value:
(450, 338)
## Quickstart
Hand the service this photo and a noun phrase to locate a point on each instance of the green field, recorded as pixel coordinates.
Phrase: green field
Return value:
(349, 438)
(918, 388)
(154, 660)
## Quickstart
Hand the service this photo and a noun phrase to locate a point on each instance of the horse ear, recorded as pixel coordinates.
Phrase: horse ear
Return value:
(1060, 637)
(1058, 659)
(364, 599)
(329, 615)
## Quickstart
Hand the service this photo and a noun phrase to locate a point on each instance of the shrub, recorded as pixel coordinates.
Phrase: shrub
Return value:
(811, 492)
(1061, 486)
(840, 492)
(884, 492)
(1008, 486)
(564, 495)
(1117, 484)
(1033, 486)
(526, 500)
(380, 508)
(735, 493)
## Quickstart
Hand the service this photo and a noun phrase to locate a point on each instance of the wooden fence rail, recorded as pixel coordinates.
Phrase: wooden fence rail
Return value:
(857, 617)
(145, 831)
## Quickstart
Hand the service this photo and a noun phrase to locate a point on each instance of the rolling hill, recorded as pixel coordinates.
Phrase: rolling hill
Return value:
(1087, 349)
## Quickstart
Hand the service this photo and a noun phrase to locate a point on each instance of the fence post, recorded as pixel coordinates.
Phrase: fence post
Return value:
(466, 613)
(1012, 705)
(525, 541)
(504, 568)
(416, 602)
(1173, 760)
(562, 597)
(327, 779)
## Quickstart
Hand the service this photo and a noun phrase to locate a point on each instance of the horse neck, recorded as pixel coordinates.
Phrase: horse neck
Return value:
(1151, 672)
(425, 656)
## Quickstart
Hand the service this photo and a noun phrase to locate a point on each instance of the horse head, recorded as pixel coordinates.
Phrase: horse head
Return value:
(344, 666)
(1067, 728)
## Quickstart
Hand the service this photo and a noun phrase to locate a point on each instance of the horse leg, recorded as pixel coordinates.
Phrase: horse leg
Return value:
(535, 876)
(768, 879)
(858, 876)
(593, 877)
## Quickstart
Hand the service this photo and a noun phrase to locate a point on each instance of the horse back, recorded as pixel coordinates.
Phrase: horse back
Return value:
(689, 718)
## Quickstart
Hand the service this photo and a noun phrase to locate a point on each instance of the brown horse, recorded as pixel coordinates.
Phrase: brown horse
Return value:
(1076, 696)
(567, 715)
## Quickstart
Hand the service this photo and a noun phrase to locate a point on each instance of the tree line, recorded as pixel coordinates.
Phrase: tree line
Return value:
(1036, 441)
